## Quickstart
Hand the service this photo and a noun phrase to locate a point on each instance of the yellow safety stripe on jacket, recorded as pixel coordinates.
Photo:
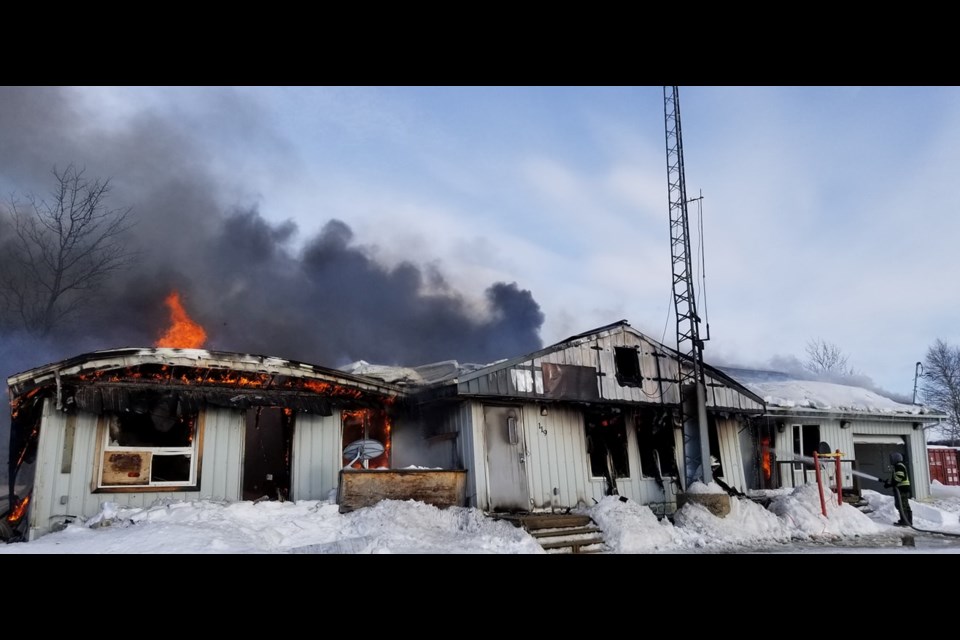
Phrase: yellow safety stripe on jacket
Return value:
(900, 477)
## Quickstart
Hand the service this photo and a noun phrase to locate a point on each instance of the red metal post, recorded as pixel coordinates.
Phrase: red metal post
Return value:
(816, 463)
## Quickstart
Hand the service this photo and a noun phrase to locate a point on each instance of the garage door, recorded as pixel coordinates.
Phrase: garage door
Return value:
(872, 455)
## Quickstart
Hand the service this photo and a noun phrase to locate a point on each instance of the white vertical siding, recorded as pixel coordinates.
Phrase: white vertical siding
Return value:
(47, 470)
(221, 475)
(842, 439)
(68, 496)
(316, 457)
(658, 369)
(557, 458)
(472, 448)
(730, 455)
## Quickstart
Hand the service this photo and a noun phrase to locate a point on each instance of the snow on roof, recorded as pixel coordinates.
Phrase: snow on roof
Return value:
(784, 390)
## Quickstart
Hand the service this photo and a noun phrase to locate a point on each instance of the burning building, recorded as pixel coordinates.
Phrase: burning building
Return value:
(133, 425)
(562, 427)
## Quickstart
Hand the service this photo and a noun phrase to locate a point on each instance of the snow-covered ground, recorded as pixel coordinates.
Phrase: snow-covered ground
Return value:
(791, 520)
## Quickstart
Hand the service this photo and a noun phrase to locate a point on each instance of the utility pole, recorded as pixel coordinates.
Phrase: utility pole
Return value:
(917, 372)
(693, 410)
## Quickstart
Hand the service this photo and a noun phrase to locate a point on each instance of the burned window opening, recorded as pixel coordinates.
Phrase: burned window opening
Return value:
(655, 440)
(806, 441)
(714, 441)
(607, 446)
(153, 444)
(628, 367)
(267, 453)
(366, 438)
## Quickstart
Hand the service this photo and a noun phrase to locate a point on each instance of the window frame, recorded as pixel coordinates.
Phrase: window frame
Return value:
(103, 449)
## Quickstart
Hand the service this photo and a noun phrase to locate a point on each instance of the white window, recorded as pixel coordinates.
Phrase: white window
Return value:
(152, 448)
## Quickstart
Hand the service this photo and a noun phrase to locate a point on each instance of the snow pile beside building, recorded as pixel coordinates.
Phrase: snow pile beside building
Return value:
(804, 511)
(748, 523)
(630, 527)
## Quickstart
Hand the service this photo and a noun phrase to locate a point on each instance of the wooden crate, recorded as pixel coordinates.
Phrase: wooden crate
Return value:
(365, 487)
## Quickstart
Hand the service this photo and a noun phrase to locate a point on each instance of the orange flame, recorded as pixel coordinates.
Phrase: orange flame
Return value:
(17, 513)
(183, 332)
(765, 461)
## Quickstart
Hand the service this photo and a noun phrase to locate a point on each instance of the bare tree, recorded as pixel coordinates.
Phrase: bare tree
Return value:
(61, 250)
(940, 386)
(826, 357)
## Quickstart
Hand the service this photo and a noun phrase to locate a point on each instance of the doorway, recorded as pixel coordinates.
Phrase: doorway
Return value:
(267, 451)
(506, 459)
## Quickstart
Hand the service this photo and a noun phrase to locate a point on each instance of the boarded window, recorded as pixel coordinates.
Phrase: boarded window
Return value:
(628, 367)
(567, 381)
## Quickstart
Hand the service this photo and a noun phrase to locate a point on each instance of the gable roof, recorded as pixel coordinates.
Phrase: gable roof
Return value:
(499, 379)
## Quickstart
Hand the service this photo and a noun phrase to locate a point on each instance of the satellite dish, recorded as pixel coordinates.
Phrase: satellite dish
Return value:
(364, 449)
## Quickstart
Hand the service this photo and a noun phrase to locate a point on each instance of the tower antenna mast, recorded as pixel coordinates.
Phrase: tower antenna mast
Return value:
(693, 410)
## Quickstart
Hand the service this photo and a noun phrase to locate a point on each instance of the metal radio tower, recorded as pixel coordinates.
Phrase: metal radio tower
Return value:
(693, 417)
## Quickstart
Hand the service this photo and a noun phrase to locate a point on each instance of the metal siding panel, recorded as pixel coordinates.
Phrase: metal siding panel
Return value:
(668, 372)
(221, 470)
(559, 458)
(47, 465)
(538, 462)
(316, 456)
(609, 388)
(578, 443)
(730, 454)
(574, 478)
(82, 464)
(477, 455)
(89, 502)
(467, 445)
(500, 384)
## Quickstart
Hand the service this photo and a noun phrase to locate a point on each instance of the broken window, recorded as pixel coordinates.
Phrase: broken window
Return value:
(366, 439)
(152, 445)
(607, 445)
(655, 439)
(628, 366)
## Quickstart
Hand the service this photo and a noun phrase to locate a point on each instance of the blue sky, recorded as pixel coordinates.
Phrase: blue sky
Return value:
(828, 212)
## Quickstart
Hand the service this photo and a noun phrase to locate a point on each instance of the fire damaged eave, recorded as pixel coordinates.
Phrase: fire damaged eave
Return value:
(269, 371)
(120, 379)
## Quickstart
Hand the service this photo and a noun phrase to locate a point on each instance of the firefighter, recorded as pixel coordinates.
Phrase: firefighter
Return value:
(900, 481)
